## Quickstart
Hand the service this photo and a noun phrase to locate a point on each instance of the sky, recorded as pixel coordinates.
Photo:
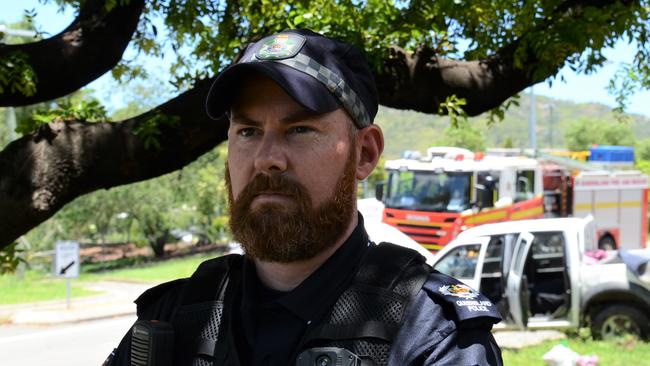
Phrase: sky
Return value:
(575, 87)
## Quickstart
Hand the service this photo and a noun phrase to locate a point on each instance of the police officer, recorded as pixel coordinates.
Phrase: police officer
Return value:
(311, 288)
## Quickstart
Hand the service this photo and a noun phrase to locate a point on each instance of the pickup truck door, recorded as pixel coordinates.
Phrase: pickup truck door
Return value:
(516, 289)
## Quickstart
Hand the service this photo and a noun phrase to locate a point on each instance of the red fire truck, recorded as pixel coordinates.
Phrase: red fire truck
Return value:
(434, 198)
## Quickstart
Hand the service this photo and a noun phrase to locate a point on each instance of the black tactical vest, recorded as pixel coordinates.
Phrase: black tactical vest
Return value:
(360, 326)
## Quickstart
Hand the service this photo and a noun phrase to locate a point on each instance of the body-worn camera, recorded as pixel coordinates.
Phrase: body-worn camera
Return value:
(328, 356)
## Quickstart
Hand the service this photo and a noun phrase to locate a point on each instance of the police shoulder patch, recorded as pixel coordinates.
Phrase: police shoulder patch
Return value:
(458, 290)
(280, 46)
(467, 303)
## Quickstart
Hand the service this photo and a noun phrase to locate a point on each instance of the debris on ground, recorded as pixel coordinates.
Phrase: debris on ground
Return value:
(562, 355)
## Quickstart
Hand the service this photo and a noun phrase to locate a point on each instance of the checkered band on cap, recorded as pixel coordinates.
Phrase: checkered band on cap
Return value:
(334, 83)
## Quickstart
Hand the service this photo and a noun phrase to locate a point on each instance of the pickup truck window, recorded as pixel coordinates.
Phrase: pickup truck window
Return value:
(460, 262)
(546, 274)
(491, 277)
(548, 252)
(550, 242)
(493, 257)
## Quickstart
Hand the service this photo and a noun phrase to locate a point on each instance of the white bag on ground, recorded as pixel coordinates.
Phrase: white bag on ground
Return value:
(560, 355)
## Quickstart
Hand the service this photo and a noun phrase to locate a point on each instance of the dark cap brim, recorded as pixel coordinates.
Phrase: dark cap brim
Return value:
(303, 88)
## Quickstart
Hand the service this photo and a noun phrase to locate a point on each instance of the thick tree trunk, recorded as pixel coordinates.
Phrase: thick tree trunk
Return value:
(92, 45)
(158, 246)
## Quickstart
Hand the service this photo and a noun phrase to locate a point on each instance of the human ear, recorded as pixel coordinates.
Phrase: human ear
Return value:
(370, 145)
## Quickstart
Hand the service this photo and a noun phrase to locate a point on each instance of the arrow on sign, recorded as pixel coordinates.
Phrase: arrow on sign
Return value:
(64, 269)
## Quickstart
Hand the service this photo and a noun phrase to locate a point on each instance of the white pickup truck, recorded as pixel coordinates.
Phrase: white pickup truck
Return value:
(540, 274)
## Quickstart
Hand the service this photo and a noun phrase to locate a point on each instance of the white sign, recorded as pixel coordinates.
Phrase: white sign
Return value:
(610, 182)
(66, 260)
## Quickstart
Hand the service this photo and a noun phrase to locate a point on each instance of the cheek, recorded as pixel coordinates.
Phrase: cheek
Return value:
(324, 174)
(236, 176)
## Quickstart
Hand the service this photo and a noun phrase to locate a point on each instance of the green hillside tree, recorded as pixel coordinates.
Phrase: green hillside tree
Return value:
(464, 135)
(414, 49)
(582, 134)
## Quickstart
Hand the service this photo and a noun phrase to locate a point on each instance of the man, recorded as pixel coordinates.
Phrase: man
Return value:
(311, 289)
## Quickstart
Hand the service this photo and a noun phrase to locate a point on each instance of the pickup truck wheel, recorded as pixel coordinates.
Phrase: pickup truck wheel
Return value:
(617, 320)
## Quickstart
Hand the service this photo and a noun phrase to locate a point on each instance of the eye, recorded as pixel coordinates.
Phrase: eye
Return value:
(300, 129)
(246, 132)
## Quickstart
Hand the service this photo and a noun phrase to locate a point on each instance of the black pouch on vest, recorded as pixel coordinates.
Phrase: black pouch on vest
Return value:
(152, 343)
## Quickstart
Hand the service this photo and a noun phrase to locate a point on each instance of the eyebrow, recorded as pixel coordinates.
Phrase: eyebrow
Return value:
(297, 116)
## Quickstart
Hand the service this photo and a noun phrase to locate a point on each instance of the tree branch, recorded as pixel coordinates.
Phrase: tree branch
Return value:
(92, 45)
(421, 81)
(42, 172)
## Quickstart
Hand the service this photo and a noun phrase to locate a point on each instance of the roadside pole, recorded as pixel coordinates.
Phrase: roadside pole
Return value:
(66, 264)
(67, 293)
(532, 122)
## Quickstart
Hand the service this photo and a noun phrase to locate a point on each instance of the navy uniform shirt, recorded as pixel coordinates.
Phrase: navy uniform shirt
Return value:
(270, 324)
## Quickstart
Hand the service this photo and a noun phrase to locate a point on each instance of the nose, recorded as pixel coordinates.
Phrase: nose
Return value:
(271, 156)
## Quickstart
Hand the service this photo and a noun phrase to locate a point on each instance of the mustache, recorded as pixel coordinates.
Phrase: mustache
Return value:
(275, 183)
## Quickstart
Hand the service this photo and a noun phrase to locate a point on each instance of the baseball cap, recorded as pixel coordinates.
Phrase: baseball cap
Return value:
(320, 73)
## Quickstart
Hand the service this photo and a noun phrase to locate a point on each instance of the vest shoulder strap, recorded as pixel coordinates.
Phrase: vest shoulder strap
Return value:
(367, 315)
(160, 302)
(209, 280)
(387, 265)
(194, 306)
(155, 293)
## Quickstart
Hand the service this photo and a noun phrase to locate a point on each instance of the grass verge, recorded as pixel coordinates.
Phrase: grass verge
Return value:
(621, 352)
(160, 271)
(38, 286)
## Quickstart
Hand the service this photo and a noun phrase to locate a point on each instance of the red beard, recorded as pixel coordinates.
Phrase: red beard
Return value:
(286, 233)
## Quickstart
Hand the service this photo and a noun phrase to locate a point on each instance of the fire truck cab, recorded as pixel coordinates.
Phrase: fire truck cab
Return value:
(434, 198)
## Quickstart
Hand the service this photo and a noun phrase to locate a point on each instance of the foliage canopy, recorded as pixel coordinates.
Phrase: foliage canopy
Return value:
(207, 35)
(451, 56)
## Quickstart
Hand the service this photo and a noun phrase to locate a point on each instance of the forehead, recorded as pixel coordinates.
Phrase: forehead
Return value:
(259, 97)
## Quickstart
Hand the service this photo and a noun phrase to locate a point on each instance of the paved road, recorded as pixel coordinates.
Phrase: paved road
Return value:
(80, 344)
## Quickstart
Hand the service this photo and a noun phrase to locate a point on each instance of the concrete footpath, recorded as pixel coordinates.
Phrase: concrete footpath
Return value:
(117, 299)
(513, 339)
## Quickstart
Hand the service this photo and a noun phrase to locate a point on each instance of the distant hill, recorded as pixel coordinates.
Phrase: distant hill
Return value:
(408, 130)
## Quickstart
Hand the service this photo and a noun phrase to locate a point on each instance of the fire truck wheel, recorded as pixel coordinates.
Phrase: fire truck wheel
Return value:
(607, 243)
(616, 320)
